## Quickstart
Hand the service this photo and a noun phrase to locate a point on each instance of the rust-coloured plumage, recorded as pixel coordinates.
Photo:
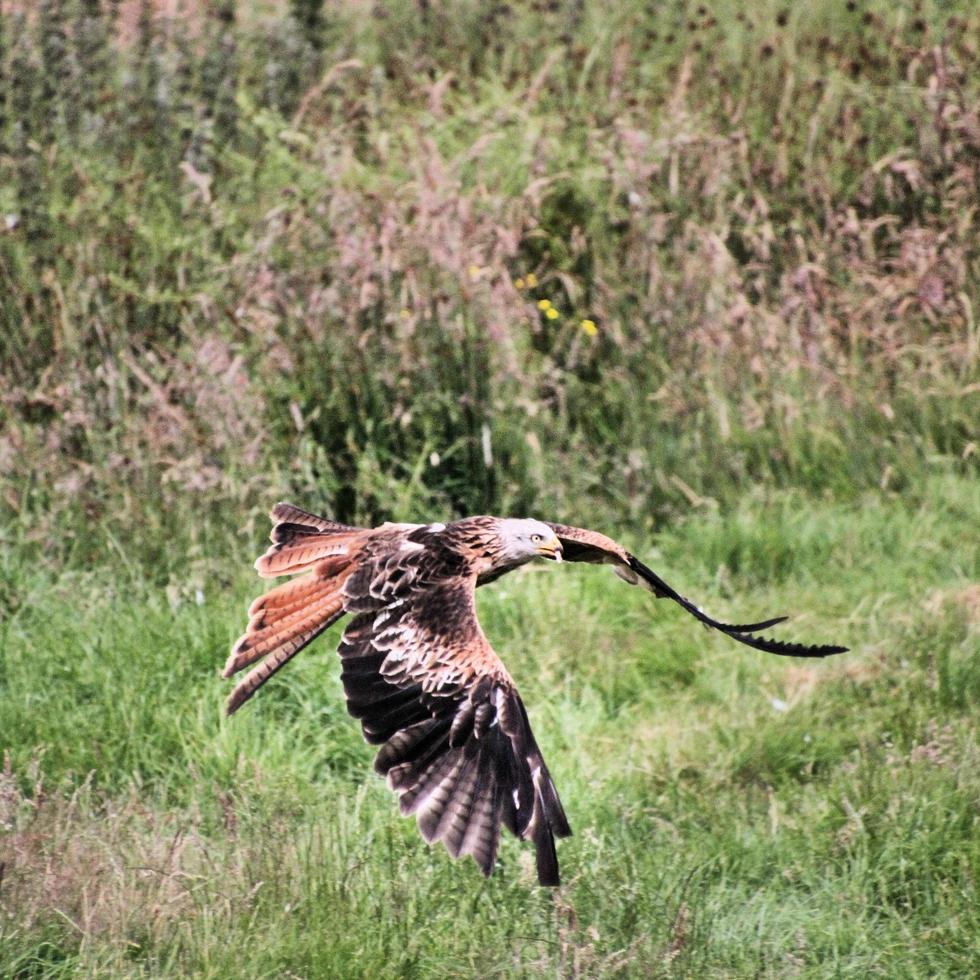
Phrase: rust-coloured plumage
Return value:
(418, 671)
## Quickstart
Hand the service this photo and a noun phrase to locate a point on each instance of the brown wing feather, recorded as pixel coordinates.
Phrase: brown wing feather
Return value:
(456, 744)
(581, 544)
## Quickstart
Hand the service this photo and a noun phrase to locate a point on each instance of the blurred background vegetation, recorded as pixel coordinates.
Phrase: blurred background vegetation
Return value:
(603, 263)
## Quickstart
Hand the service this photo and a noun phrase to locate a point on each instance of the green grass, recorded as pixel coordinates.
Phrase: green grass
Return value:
(734, 814)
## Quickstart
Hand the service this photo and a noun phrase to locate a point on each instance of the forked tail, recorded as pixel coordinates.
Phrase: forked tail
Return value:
(290, 616)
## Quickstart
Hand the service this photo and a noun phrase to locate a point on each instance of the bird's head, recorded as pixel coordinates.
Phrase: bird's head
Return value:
(524, 539)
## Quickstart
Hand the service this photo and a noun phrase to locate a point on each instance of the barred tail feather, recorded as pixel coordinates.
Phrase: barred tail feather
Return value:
(300, 540)
(281, 624)
(256, 677)
(268, 617)
(282, 595)
(294, 555)
(255, 645)
(284, 513)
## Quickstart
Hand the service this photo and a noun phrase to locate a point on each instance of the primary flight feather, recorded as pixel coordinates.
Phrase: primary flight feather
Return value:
(418, 671)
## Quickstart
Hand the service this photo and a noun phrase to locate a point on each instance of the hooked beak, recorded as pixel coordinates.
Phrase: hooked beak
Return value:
(551, 549)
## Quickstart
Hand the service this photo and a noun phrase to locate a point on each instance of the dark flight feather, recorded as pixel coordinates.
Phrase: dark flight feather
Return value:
(583, 545)
(781, 649)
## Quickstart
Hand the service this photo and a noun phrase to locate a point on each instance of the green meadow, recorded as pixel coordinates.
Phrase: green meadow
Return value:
(734, 814)
(701, 276)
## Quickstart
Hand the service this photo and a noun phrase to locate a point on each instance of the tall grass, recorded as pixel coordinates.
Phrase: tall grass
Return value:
(248, 247)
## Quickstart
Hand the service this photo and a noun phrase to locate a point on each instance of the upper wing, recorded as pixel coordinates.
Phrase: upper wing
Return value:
(422, 678)
(580, 544)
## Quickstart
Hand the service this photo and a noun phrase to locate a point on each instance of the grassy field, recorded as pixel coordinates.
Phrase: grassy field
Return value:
(735, 815)
(702, 275)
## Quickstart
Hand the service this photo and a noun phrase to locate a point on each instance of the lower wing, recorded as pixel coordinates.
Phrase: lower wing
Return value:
(456, 743)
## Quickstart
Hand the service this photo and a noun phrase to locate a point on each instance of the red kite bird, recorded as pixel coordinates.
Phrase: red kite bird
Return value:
(418, 671)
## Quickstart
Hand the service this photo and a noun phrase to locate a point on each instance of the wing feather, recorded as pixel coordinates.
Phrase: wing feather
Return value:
(581, 544)
(456, 743)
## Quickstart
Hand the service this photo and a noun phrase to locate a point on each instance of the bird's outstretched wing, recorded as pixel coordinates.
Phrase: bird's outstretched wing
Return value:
(456, 744)
(581, 544)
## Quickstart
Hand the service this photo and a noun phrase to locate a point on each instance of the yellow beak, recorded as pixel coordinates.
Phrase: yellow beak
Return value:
(551, 549)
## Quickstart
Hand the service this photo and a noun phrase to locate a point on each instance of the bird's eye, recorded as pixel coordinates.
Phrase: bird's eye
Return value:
(535, 538)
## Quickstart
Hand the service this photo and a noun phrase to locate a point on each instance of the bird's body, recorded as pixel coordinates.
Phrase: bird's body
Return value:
(418, 671)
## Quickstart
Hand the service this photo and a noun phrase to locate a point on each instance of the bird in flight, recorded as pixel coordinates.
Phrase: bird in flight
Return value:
(419, 673)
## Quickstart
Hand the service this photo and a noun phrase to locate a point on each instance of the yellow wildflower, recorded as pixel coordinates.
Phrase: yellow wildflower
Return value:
(532, 280)
(551, 313)
(518, 283)
(544, 304)
(589, 328)
(474, 272)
